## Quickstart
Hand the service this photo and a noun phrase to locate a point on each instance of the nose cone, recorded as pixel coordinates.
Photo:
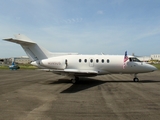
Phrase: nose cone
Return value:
(152, 68)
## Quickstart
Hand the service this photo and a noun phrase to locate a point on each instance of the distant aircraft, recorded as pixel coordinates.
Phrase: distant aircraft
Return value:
(76, 65)
(14, 66)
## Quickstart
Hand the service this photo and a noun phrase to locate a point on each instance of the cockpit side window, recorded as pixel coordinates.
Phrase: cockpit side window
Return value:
(130, 59)
(134, 59)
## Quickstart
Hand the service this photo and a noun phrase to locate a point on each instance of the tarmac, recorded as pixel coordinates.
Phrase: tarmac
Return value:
(39, 95)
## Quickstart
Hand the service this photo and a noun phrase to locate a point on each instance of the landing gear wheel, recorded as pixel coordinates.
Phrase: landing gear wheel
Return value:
(73, 81)
(136, 80)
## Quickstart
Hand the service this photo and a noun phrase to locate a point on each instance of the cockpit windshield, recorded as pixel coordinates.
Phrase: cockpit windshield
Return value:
(134, 59)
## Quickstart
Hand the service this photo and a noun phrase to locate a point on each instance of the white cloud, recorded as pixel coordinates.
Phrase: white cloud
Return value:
(73, 20)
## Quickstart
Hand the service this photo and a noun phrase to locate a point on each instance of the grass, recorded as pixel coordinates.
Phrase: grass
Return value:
(27, 66)
(157, 66)
(4, 67)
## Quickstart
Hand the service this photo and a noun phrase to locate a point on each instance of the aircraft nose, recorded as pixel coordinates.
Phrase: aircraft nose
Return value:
(152, 68)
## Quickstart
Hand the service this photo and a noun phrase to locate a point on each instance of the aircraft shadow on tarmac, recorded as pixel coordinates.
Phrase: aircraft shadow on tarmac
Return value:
(149, 81)
(86, 83)
(83, 83)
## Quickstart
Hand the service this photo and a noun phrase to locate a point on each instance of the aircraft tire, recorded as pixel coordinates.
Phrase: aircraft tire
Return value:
(74, 81)
(136, 80)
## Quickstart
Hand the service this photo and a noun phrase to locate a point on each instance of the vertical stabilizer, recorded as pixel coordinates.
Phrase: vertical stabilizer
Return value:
(33, 50)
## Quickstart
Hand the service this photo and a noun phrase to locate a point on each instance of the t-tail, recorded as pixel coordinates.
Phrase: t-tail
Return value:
(33, 50)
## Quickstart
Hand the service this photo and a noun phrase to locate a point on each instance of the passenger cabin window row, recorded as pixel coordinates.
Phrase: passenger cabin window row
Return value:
(97, 60)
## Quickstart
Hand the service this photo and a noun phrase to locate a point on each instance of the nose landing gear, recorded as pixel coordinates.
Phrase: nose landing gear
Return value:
(135, 79)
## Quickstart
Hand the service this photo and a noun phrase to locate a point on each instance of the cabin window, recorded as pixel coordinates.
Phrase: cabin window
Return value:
(91, 60)
(85, 60)
(102, 60)
(97, 60)
(80, 60)
(107, 60)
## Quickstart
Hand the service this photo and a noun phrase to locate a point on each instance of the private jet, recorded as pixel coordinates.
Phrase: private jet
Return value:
(75, 65)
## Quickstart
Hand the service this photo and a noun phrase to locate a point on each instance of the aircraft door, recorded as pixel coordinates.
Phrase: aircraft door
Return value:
(91, 62)
(66, 62)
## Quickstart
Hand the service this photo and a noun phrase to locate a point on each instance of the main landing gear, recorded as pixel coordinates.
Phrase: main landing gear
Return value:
(135, 79)
(75, 80)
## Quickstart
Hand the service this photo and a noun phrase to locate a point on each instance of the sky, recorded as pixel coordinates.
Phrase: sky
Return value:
(82, 26)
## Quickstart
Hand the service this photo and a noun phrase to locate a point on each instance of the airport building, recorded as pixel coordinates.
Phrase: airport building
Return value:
(5, 61)
(155, 57)
(144, 58)
(18, 60)
(21, 60)
(148, 58)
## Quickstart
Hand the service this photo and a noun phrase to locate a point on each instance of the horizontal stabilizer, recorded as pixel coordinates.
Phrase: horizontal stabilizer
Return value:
(20, 39)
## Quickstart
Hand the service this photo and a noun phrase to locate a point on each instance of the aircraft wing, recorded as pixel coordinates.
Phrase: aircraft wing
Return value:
(76, 72)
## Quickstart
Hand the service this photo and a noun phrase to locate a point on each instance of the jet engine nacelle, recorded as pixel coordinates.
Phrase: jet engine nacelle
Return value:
(53, 63)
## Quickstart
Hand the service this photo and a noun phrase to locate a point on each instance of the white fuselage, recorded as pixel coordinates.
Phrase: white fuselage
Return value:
(104, 64)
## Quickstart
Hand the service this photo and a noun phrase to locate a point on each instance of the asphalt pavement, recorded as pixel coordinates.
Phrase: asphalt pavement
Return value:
(39, 95)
